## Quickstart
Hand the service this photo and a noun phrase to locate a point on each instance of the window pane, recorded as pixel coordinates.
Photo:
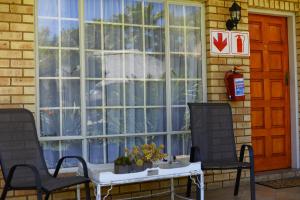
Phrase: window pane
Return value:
(48, 32)
(133, 11)
(176, 15)
(177, 66)
(113, 64)
(115, 148)
(135, 93)
(134, 66)
(193, 42)
(51, 153)
(71, 148)
(71, 93)
(156, 92)
(177, 144)
(71, 123)
(193, 16)
(70, 65)
(112, 10)
(95, 151)
(48, 8)
(114, 93)
(178, 92)
(134, 141)
(92, 10)
(48, 62)
(94, 122)
(93, 93)
(177, 40)
(154, 40)
(93, 64)
(92, 36)
(133, 38)
(155, 66)
(49, 90)
(154, 13)
(69, 8)
(114, 121)
(69, 33)
(156, 119)
(178, 119)
(135, 120)
(194, 67)
(50, 123)
(113, 37)
(194, 93)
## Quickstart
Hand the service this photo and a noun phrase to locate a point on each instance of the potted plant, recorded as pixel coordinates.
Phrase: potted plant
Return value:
(143, 157)
(122, 165)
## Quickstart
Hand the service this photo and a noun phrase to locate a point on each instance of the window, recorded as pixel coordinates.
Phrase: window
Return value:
(114, 74)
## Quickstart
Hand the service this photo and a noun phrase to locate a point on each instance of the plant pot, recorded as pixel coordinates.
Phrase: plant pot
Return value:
(136, 168)
(122, 169)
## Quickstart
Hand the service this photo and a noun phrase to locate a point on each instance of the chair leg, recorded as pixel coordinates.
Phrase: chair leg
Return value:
(237, 181)
(4, 192)
(39, 194)
(87, 191)
(188, 187)
(252, 183)
(47, 196)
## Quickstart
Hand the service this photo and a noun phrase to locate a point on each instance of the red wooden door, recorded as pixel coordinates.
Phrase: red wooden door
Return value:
(270, 103)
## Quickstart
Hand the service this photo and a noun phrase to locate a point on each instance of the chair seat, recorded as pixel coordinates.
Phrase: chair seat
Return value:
(49, 183)
(224, 165)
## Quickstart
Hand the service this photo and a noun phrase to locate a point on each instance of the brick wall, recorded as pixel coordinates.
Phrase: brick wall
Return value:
(17, 83)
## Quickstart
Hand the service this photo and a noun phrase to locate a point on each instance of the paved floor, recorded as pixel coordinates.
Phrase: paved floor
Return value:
(262, 193)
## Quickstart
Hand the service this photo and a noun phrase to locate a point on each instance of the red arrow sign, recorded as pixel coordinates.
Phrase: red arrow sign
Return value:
(220, 43)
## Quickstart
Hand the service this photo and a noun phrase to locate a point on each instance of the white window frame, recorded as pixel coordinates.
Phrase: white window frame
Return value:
(83, 137)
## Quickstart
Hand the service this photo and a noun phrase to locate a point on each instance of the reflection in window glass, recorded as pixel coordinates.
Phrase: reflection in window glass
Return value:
(112, 10)
(69, 8)
(95, 151)
(71, 93)
(70, 63)
(48, 8)
(50, 123)
(133, 12)
(94, 122)
(48, 32)
(74, 148)
(92, 10)
(71, 124)
(49, 89)
(48, 62)
(51, 153)
(115, 148)
(114, 121)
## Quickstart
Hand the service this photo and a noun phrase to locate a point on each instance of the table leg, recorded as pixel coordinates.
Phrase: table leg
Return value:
(98, 196)
(78, 192)
(202, 185)
(172, 189)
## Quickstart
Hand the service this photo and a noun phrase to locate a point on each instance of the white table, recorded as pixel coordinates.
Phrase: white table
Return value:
(105, 177)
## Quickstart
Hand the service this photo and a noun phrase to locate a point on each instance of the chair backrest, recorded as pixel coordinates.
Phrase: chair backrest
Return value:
(19, 143)
(212, 132)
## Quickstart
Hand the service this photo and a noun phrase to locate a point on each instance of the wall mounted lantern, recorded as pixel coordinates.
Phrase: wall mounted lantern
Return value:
(235, 16)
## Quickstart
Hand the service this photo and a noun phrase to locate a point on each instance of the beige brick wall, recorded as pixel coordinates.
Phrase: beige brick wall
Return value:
(17, 65)
(17, 83)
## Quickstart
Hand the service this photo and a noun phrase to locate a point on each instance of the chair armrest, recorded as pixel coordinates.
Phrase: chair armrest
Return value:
(34, 170)
(194, 150)
(251, 154)
(59, 163)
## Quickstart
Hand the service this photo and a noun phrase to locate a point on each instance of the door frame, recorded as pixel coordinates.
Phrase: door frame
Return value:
(293, 84)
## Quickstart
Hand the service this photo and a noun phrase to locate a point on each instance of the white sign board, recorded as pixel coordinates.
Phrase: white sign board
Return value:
(229, 43)
(220, 42)
(240, 43)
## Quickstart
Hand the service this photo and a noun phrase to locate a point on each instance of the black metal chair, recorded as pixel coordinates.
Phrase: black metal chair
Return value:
(22, 161)
(213, 142)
